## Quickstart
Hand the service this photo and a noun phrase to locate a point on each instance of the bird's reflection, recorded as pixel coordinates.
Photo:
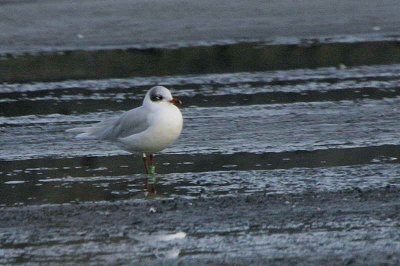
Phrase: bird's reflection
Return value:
(150, 185)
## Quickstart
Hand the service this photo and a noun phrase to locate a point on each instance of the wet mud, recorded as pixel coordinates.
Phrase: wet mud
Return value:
(289, 155)
(353, 226)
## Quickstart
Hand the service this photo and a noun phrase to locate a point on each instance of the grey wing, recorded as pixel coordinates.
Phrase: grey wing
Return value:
(130, 122)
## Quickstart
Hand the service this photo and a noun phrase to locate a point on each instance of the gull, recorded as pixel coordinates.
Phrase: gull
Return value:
(147, 129)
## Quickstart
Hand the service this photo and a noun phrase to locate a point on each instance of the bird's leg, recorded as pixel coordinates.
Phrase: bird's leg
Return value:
(146, 180)
(145, 163)
(152, 171)
(152, 165)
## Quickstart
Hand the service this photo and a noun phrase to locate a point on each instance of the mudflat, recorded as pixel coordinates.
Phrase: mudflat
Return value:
(289, 154)
(348, 227)
(64, 25)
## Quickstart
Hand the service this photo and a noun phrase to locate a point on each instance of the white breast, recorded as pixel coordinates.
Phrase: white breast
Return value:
(165, 127)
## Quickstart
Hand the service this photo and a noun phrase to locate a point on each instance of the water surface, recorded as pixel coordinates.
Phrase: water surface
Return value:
(275, 119)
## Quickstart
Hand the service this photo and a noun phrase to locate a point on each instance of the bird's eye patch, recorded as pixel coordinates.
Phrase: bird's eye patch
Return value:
(156, 98)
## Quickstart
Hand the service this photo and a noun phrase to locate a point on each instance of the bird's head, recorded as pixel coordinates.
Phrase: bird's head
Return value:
(160, 95)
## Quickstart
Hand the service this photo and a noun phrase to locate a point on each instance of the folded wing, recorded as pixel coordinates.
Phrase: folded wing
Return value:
(129, 123)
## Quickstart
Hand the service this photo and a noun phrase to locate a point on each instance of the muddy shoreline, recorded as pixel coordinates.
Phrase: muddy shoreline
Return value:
(29, 26)
(290, 151)
(251, 228)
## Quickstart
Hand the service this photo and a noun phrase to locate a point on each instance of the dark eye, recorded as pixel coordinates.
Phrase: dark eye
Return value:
(156, 98)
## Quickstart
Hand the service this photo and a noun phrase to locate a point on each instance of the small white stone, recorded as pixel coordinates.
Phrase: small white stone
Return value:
(376, 28)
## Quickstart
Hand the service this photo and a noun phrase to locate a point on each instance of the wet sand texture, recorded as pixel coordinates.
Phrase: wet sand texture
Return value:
(289, 154)
(61, 25)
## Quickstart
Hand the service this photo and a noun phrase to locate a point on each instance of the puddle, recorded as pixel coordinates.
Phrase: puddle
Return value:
(191, 185)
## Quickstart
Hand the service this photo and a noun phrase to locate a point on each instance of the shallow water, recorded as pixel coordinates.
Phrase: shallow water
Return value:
(282, 127)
